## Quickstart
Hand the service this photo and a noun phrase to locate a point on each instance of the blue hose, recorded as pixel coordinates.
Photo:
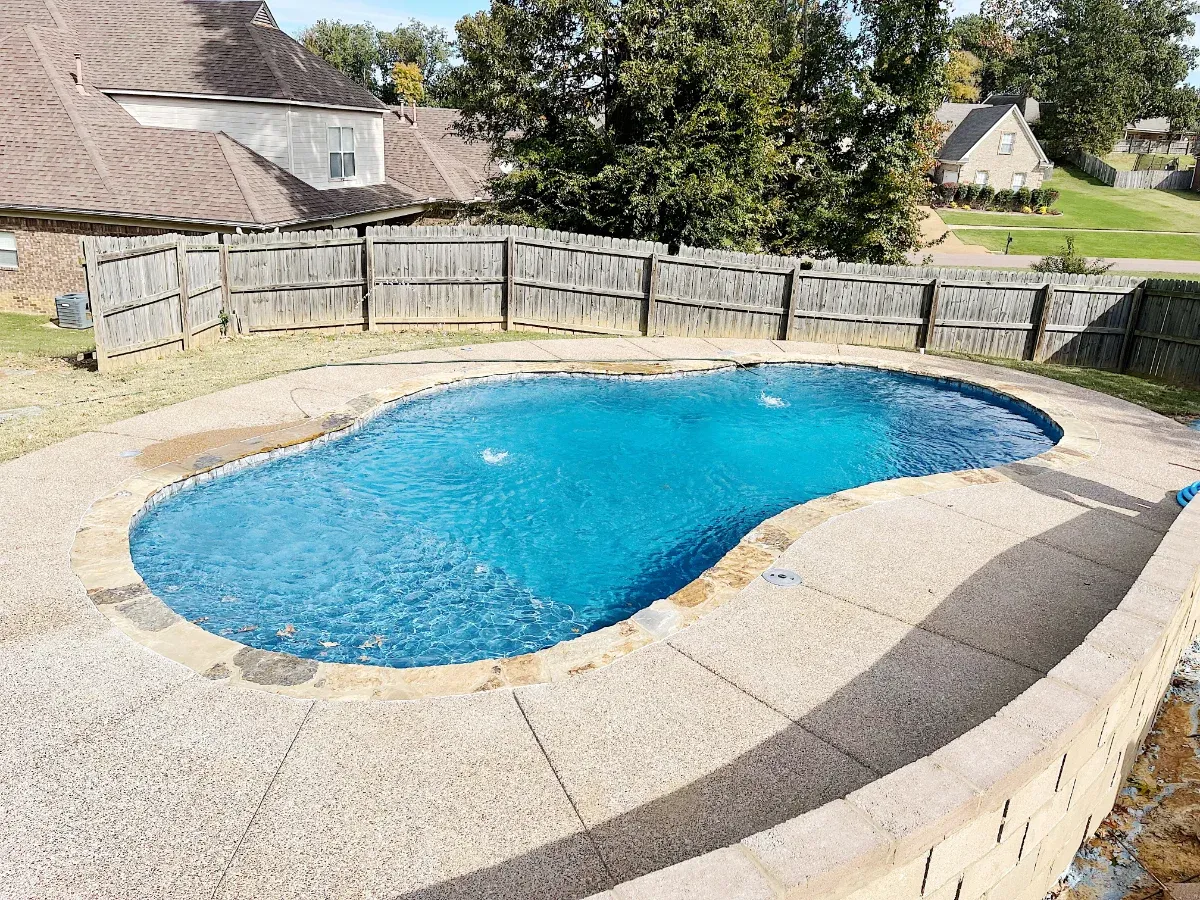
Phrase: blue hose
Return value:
(1184, 497)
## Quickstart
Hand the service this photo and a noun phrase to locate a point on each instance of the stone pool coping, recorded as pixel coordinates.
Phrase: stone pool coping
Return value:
(100, 555)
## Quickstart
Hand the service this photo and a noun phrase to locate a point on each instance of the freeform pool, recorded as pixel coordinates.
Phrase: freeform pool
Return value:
(501, 517)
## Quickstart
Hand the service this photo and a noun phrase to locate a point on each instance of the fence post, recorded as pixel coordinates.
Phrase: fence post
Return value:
(1037, 345)
(231, 316)
(1135, 312)
(369, 285)
(651, 295)
(91, 274)
(510, 275)
(185, 306)
(793, 299)
(935, 295)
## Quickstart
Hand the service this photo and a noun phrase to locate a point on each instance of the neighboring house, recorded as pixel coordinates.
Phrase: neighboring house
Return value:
(1156, 136)
(989, 144)
(148, 116)
(1030, 108)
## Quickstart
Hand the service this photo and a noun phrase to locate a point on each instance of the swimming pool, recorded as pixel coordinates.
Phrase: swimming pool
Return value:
(500, 517)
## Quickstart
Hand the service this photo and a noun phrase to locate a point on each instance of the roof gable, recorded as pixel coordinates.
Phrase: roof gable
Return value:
(977, 125)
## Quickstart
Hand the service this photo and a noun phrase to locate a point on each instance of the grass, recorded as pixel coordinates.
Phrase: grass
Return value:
(37, 369)
(1088, 203)
(1167, 399)
(25, 336)
(1090, 243)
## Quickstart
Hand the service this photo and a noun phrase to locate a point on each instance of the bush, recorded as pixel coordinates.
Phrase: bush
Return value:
(1028, 210)
(952, 205)
(1042, 210)
(1039, 197)
(973, 193)
(961, 194)
(948, 191)
(1024, 197)
(986, 194)
(1051, 196)
(1071, 263)
(1004, 199)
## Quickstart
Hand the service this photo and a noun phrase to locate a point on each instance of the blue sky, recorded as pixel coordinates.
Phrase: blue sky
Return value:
(293, 15)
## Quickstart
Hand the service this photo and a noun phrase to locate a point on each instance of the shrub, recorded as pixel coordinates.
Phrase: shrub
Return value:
(973, 193)
(1038, 197)
(1051, 196)
(952, 205)
(948, 191)
(1071, 263)
(961, 194)
(1004, 199)
(1027, 210)
(1042, 210)
(1024, 197)
(986, 194)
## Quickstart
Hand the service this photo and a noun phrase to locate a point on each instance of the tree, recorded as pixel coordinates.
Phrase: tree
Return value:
(802, 127)
(963, 76)
(1104, 64)
(650, 119)
(351, 49)
(408, 83)
(370, 56)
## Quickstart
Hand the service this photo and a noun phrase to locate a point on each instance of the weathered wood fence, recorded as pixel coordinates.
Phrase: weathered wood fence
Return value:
(1150, 179)
(159, 294)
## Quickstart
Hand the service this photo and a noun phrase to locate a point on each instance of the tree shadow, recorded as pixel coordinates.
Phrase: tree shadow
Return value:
(1030, 621)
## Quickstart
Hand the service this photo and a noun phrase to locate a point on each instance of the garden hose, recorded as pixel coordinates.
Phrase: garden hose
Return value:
(1184, 497)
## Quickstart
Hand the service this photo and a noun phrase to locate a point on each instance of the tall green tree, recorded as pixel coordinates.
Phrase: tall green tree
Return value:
(650, 119)
(369, 56)
(1104, 64)
(799, 127)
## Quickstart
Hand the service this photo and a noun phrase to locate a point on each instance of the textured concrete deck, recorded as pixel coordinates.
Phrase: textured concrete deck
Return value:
(123, 774)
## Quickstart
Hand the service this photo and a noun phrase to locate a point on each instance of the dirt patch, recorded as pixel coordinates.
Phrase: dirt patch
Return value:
(192, 444)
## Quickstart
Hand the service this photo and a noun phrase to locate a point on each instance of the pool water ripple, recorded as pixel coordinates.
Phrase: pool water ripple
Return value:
(501, 517)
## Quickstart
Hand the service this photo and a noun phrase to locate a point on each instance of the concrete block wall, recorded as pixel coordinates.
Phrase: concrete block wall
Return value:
(1000, 812)
(48, 260)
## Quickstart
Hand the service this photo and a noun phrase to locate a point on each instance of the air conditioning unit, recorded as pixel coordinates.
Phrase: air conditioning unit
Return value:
(73, 311)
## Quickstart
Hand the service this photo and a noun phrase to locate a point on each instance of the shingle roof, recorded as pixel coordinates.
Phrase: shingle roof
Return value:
(77, 151)
(971, 130)
(80, 152)
(202, 47)
(426, 154)
(952, 114)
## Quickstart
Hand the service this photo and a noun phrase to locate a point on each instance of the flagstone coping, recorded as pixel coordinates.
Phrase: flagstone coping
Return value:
(101, 557)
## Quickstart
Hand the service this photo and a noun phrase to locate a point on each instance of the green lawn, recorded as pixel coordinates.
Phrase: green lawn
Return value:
(23, 335)
(1089, 243)
(1088, 203)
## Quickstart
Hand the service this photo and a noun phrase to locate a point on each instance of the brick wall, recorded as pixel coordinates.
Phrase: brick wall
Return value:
(48, 261)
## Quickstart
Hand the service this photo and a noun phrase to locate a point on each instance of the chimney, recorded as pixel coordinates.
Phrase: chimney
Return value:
(79, 73)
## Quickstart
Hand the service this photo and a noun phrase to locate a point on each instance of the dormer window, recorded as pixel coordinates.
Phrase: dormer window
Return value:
(1007, 140)
(341, 154)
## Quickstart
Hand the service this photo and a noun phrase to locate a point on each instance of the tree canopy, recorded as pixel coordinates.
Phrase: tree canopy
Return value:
(805, 127)
(1102, 64)
(371, 56)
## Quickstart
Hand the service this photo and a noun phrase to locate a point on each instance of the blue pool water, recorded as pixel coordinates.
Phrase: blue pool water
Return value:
(501, 517)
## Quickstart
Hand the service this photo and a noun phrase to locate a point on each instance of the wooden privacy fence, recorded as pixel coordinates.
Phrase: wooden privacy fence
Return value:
(159, 294)
(1149, 179)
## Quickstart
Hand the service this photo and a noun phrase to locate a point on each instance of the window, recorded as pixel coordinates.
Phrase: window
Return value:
(341, 153)
(981, 178)
(8, 250)
(1018, 181)
(1007, 139)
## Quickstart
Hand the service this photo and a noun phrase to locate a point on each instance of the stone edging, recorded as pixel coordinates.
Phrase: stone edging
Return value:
(101, 557)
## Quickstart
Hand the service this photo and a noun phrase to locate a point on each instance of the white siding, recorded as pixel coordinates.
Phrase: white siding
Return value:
(264, 128)
(260, 126)
(311, 151)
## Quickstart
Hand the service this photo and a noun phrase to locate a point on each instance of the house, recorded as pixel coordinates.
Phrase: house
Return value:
(989, 144)
(149, 116)
(1156, 136)
(1029, 107)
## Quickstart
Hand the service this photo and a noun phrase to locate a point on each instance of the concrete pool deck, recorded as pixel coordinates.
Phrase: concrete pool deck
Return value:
(922, 617)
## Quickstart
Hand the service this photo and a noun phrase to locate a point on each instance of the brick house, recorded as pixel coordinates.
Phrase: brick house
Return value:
(149, 116)
(989, 144)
